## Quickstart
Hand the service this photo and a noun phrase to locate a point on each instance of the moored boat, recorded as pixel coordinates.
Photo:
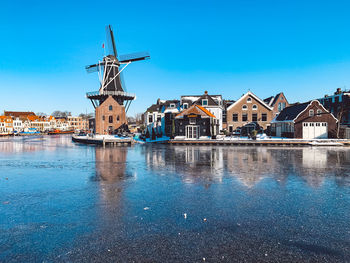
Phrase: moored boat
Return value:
(60, 132)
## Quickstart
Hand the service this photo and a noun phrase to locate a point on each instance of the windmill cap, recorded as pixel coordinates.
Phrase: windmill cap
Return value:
(206, 92)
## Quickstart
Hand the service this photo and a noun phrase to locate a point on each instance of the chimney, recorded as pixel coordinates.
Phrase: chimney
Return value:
(338, 91)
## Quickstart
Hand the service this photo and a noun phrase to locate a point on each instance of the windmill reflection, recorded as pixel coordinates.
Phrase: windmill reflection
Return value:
(111, 169)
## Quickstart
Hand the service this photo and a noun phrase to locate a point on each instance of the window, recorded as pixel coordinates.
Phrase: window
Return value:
(117, 117)
(319, 112)
(249, 100)
(110, 107)
(255, 107)
(254, 117)
(263, 117)
(159, 117)
(204, 102)
(103, 117)
(172, 105)
(192, 120)
(150, 118)
(234, 117)
(244, 107)
(244, 117)
(230, 129)
(110, 119)
(311, 113)
(185, 105)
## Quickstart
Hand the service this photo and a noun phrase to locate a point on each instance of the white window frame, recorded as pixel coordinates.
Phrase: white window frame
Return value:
(255, 107)
(249, 100)
(204, 100)
(244, 107)
(311, 113)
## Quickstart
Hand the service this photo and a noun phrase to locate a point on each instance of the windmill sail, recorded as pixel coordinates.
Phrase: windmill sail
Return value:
(134, 57)
(110, 41)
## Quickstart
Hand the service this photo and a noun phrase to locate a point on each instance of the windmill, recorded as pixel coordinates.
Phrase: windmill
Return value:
(110, 71)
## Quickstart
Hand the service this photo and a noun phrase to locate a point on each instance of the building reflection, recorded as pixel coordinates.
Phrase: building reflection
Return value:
(249, 165)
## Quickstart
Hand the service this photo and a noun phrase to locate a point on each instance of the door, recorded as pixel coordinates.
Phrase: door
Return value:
(192, 132)
(315, 130)
(278, 130)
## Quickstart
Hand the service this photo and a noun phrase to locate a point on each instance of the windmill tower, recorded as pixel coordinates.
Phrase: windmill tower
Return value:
(111, 101)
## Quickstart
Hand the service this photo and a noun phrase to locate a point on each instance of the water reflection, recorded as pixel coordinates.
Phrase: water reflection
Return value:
(250, 165)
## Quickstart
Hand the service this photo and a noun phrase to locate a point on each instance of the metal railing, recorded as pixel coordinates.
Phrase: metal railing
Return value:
(109, 92)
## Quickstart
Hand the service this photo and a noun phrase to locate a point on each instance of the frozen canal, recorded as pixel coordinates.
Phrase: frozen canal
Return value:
(64, 202)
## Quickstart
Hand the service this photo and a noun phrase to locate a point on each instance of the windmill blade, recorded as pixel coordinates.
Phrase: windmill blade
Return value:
(122, 81)
(134, 57)
(110, 41)
(94, 67)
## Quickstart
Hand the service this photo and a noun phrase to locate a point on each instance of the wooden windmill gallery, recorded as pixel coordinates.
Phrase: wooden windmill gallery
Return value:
(111, 101)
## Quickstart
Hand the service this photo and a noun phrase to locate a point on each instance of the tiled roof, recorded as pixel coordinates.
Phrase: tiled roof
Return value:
(196, 109)
(291, 112)
(154, 107)
(19, 113)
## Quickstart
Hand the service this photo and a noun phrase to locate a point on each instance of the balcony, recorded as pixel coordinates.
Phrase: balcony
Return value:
(98, 94)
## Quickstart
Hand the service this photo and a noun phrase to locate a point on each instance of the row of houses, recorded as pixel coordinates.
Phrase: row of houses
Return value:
(15, 121)
(195, 116)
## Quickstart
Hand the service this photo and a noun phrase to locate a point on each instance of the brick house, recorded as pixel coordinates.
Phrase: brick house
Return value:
(195, 122)
(110, 115)
(278, 103)
(249, 113)
(308, 120)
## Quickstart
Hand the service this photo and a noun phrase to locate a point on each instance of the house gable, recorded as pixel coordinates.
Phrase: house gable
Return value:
(245, 96)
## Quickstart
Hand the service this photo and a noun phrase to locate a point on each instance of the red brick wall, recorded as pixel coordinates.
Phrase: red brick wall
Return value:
(102, 126)
(325, 116)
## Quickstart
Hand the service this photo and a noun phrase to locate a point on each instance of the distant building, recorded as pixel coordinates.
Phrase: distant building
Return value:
(78, 123)
(6, 125)
(339, 105)
(308, 120)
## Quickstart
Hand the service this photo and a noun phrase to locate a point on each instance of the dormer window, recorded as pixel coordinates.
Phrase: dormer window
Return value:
(185, 105)
(311, 113)
(249, 100)
(255, 107)
(244, 107)
(204, 102)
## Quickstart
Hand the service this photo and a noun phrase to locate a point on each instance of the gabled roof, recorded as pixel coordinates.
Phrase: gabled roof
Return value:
(154, 107)
(275, 99)
(211, 101)
(269, 100)
(291, 112)
(254, 96)
(196, 109)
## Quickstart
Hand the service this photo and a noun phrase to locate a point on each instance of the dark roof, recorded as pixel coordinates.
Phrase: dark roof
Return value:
(267, 100)
(211, 101)
(291, 112)
(154, 107)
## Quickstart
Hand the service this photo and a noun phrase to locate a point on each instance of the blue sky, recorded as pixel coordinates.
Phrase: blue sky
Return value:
(226, 47)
